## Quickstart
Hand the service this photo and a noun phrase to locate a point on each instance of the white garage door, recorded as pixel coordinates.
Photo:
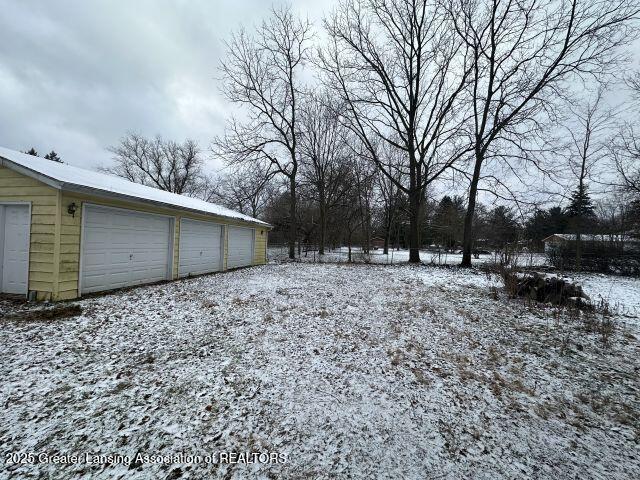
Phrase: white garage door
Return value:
(199, 247)
(15, 225)
(122, 248)
(240, 247)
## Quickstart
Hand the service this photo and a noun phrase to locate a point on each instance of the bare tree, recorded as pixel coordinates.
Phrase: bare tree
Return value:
(634, 84)
(164, 164)
(400, 71)
(625, 151)
(587, 149)
(350, 213)
(389, 193)
(363, 173)
(323, 150)
(262, 73)
(524, 53)
(246, 188)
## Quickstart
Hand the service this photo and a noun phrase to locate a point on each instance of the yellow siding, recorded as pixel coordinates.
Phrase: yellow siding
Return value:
(260, 247)
(54, 257)
(69, 263)
(15, 187)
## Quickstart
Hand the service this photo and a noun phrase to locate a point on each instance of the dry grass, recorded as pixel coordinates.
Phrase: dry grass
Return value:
(59, 312)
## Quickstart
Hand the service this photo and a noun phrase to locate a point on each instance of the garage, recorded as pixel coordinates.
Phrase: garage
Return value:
(15, 222)
(200, 247)
(66, 231)
(122, 247)
(240, 247)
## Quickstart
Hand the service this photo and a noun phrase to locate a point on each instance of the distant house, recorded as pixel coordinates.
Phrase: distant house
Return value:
(558, 240)
(377, 242)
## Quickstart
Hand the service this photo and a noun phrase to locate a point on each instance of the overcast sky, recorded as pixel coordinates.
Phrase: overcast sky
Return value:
(75, 76)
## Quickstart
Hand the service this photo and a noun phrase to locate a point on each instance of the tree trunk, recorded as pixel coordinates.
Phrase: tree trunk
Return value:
(467, 239)
(578, 249)
(368, 231)
(293, 227)
(414, 226)
(387, 234)
(323, 223)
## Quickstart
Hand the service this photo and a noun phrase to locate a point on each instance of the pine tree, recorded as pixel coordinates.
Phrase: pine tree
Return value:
(581, 213)
(581, 206)
(52, 155)
(447, 221)
(503, 226)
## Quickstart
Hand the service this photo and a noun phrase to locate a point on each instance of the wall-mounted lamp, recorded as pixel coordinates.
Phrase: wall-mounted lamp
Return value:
(261, 232)
(71, 209)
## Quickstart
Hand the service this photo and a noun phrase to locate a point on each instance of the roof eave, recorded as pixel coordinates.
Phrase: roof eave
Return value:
(72, 187)
(555, 235)
(5, 162)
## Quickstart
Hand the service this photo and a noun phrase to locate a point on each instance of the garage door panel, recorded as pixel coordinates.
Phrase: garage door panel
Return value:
(240, 247)
(95, 260)
(123, 248)
(200, 247)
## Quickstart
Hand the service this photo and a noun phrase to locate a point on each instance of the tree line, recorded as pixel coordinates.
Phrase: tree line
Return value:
(351, 137)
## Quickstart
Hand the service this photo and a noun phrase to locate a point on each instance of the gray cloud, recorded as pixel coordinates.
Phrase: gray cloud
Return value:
(76, 75)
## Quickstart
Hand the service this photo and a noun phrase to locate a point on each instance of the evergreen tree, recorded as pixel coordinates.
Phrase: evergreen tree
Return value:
(581, 213)
(544, 223)
(447, 221)
(503, 226)
(52, 155)
(581, 206)
(557, 220)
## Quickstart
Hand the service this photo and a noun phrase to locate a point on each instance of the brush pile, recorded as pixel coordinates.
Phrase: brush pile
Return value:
(549, 288)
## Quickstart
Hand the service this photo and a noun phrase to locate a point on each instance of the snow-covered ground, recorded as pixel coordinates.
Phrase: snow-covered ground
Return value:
(350, 371)
(621, 293)
(394, 257)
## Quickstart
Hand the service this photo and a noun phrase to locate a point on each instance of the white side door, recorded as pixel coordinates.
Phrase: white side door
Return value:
(122, 248)
(240, 247)
(200, 247)
(15, 227)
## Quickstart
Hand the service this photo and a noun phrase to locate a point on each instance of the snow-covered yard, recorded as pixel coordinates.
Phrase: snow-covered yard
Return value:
(360, 371)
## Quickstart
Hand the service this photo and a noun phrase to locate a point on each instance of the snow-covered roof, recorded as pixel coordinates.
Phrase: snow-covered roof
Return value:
(67, 177)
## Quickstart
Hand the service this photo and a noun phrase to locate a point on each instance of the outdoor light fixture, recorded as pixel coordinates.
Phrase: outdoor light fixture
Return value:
(71, 209)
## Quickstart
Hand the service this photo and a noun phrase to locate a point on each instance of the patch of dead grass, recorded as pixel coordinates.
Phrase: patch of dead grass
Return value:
(58, 312)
